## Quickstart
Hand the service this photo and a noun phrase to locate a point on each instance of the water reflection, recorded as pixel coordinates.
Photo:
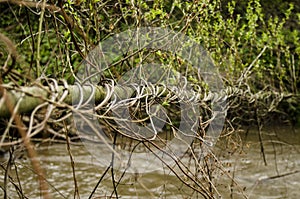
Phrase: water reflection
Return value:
(280, 178)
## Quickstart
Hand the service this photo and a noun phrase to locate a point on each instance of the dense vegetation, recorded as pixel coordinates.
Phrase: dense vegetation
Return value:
(52, 43)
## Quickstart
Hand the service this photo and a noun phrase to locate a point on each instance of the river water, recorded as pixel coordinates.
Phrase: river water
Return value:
(279, 176)
(252, 178)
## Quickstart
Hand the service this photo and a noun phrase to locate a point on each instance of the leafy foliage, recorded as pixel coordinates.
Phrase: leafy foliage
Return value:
(235, 33)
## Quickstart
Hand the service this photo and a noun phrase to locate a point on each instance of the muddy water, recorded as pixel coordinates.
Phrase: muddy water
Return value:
(280, 178)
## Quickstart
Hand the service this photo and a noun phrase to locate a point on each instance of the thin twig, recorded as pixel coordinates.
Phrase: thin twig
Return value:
(38, 55)
(76, 192)
(246, 72)
(99, 181)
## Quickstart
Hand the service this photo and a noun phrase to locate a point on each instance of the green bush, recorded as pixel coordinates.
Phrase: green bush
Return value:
(234, 32)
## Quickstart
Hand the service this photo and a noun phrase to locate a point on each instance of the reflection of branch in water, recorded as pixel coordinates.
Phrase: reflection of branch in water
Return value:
(279, 176)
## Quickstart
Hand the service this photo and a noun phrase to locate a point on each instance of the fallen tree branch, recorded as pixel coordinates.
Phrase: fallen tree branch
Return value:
(32, 4)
